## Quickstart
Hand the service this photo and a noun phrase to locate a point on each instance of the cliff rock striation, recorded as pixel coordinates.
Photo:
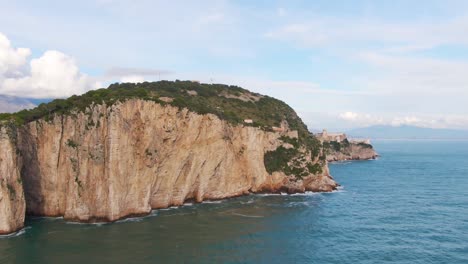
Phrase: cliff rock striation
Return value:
(128, 149)
(12, 204)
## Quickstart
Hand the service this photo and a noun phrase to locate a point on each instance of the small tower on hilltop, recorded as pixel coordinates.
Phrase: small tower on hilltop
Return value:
(324, 133)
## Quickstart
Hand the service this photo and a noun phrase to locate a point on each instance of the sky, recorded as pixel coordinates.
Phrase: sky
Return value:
(339, 64)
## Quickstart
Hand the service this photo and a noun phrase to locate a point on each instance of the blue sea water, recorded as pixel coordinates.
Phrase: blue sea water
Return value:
(409, 206)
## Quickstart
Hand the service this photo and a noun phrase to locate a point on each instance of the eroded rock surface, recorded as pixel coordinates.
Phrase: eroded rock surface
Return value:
(12, 204)
(111, 162)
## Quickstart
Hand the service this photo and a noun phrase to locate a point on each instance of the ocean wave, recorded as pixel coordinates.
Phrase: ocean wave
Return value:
(306, 194)
(16, 234)
(267, 194)
(339, 189)
(138, 218)
(174, 207)
(250, 216)
(248, 202)
(212, 202)
(130, 219)
(89, 224)
(298, 204)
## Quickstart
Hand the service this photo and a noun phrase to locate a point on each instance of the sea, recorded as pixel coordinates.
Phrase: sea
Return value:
(408, 206)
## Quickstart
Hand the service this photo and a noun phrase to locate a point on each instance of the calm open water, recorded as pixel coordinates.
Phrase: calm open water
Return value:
(410, 206)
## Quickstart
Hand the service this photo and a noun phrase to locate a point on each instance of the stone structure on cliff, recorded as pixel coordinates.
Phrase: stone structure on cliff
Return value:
(325, 136)
(105, 159)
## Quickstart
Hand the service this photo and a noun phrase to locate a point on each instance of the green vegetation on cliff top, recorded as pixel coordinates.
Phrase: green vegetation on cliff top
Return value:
(230, 103)
(344, 146)
(265, 111)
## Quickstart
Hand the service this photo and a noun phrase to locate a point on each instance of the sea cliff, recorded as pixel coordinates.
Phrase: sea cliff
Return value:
(12, 204)
(110, 160)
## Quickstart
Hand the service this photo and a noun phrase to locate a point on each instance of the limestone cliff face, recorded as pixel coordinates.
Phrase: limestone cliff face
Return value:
(353, 151)
(127, 159)
(12, 204)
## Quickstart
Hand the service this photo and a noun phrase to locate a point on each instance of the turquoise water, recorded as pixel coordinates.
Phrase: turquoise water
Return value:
(410, 206)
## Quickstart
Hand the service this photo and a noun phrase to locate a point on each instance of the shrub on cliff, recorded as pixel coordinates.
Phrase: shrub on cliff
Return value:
(365, 145)
(290, 161)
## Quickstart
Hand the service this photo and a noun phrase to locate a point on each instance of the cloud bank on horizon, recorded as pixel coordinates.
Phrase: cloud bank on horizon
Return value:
(341, 65)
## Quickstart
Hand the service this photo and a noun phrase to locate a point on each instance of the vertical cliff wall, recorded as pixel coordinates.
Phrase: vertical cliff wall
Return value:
(12, 204)
(110, 162)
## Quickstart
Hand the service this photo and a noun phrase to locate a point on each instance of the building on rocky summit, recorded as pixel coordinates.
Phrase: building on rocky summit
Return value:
(327, 137)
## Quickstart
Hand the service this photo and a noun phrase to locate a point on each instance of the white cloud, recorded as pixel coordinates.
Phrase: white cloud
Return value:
(402, 37)
(349, 116)
(358, 119)
(132, 79)
(134, 75)
(392, 73)
(418, 75)
(11, 60)
(429, 121)
(53, 75)
(122, 71)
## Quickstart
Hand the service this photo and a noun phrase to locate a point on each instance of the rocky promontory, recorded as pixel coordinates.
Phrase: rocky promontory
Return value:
(351, 151)
(131, 148)
(337, 147)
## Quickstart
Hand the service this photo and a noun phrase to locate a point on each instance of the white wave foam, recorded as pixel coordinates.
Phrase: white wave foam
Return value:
(130, 219)
(123, 220)
(305, 194)
(153, 213)
(295, 204)
(93, 224)
(213, 202)
(248, 202)
(250, 216)
(339, 189)
(16, 234)
(267, 194)
(168, 208)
